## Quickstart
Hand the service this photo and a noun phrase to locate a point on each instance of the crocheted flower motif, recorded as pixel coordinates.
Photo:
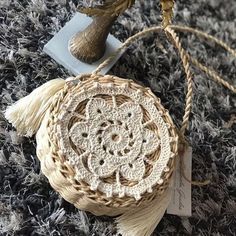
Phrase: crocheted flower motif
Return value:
(114, 139)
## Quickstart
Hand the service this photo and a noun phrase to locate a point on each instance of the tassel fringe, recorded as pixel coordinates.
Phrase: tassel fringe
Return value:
(143, 221)
(27, 113)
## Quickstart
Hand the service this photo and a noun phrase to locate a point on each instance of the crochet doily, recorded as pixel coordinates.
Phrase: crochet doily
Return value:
(115, 137)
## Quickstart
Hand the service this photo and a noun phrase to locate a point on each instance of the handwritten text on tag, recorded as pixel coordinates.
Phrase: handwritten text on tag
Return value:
(181, 203)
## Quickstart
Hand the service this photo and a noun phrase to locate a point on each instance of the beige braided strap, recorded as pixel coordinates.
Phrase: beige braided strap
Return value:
(183, 143)
(213, 74)
(189, 95)
(183, 56)
(126, 44)
(209, 71)
(204, 35)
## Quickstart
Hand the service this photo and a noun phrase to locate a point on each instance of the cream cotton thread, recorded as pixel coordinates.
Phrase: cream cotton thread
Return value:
(127, 154)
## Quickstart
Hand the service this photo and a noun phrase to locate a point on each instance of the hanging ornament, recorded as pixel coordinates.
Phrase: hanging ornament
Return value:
(107, 144)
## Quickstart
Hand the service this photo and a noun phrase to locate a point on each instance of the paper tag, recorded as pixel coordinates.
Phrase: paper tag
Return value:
(181, 202)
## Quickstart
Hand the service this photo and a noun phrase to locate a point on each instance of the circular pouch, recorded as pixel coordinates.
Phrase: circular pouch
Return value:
(107, 144)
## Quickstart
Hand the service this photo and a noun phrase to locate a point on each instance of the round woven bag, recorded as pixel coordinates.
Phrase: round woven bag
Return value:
(107, 145)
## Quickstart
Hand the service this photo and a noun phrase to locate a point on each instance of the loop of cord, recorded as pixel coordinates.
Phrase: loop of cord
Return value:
(186, 58)
(189, 96)
(126, 44)
(209, 71)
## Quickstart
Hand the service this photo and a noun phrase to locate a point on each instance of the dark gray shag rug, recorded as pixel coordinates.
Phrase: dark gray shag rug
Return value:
(28, 205)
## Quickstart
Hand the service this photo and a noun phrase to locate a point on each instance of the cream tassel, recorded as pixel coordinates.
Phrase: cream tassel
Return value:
(143, 221)
(27, 113)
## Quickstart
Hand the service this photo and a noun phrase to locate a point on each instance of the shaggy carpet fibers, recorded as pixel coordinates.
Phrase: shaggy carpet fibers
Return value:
(29, 206)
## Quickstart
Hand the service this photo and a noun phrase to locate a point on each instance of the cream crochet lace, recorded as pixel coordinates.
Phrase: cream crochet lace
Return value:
(108, 139)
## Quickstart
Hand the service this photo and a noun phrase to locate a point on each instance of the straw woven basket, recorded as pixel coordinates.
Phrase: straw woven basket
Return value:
(107, 145)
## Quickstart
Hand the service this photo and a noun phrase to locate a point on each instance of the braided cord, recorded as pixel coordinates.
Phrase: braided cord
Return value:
(213, 74)
(125, 45)
(204, 35)
(185, 57)
(209, 71)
